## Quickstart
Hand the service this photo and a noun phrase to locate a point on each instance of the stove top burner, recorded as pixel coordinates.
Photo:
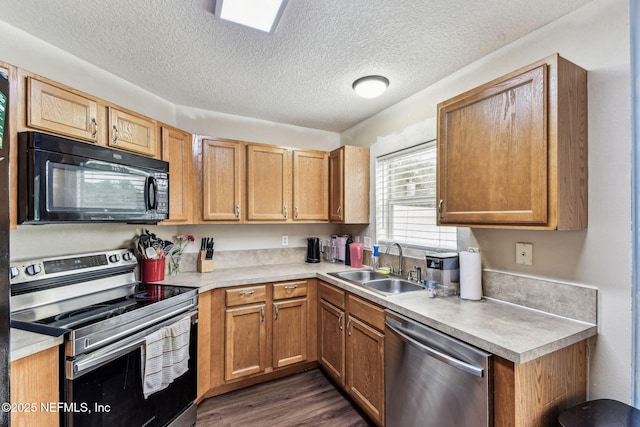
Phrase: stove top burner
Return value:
(87, 315)
(74, 313)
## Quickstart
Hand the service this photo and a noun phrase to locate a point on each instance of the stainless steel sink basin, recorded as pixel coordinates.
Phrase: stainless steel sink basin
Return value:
(359, 276)
(393, 286)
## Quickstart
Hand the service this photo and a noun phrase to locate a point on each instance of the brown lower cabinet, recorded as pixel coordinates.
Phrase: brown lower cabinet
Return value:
(250, 334)
(351, 347)
(34, 381)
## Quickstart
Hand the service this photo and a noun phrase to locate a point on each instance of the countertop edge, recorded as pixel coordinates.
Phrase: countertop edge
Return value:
(25, 343)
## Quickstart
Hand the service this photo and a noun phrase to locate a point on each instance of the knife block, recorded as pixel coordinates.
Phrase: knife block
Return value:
(204, 265)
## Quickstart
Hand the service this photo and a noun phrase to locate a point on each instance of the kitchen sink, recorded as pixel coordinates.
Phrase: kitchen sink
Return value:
(359, 276)
(393, 286)
(378, 282)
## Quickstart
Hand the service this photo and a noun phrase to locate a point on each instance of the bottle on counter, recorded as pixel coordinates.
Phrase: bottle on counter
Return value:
(347, 253)
(375, 258)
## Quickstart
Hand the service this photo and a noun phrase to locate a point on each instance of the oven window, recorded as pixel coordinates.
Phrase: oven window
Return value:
(86, 189)
(112, 395)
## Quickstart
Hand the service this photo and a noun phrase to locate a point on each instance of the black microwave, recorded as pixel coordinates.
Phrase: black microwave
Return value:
(63, 180)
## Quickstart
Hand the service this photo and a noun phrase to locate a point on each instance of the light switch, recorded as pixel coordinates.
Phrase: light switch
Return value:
(524, 253)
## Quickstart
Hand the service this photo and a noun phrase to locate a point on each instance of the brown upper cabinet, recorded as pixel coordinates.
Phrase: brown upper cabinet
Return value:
(176, 149)
(61, 110)
(222, 178)
(349, 185)
(250, 182)
(52, 107)
(513, 153)
(268, 183)
(310, 185)
(132, 132)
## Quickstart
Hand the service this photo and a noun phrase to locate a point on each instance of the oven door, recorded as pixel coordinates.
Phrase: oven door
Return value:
(104, 388)
(83, 182)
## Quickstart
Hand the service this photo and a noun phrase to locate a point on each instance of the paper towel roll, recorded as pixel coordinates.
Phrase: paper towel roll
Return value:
(470, 276)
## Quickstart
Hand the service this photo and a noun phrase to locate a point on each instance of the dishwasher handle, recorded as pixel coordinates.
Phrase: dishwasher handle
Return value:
(445, 358)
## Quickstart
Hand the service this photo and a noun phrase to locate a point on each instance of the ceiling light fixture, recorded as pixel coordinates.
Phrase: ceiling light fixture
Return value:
(370, 86)
(262, 15)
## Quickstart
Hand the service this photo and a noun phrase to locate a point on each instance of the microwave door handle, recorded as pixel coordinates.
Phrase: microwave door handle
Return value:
(152, 193)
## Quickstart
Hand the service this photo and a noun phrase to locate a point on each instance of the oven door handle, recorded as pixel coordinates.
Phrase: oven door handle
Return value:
(85, 364)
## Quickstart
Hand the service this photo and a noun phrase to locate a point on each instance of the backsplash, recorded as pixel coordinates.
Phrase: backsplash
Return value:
(561, 298)
(248, 258)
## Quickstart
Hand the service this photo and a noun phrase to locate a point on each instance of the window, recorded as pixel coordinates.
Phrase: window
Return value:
(406, 205)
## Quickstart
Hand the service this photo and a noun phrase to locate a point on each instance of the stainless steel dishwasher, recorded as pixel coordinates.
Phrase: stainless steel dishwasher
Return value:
(432, 379)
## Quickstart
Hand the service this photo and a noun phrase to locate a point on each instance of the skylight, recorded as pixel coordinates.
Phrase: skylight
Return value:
(262, 15)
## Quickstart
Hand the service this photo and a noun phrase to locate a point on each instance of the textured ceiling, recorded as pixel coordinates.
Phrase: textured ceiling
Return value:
(301, 74)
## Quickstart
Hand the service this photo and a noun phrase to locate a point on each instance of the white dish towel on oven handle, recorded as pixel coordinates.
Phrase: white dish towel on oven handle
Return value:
(165, 356)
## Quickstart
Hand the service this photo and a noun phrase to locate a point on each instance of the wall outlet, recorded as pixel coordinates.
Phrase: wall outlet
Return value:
(524, 253)
(367, 242)
(285, 240)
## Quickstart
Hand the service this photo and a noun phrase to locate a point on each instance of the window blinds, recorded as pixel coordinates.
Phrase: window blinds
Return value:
(406, 205)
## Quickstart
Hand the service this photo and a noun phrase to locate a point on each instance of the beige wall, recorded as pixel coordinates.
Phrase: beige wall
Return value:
(595, 37)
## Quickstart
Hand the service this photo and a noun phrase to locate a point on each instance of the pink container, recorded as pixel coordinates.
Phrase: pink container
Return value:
(152, 270)
(357, 252)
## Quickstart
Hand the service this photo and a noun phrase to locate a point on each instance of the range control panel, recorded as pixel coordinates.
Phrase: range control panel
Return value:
(42, 268)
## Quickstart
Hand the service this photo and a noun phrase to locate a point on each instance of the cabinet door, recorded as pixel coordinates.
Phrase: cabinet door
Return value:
(132, 132)
(268, 183)
(34, 380)
(493, 153)
(336, 185)
(331, 341)
(176, 149)
(289, 332)
(245, 341)
(310, 185)
(61, 111)
(222, 165)
(365, 368)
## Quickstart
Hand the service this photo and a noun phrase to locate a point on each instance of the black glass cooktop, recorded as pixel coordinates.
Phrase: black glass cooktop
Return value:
(144, 295)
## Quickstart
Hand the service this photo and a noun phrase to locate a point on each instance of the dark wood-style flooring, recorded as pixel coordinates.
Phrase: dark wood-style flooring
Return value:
(305, 399)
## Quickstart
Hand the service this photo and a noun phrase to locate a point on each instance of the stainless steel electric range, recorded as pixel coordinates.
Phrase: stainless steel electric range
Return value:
(106, 318)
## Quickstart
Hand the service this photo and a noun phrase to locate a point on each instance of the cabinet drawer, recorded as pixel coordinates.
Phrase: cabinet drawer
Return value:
(248, 295)
(366, 311)
(289, 289)
(332, 294)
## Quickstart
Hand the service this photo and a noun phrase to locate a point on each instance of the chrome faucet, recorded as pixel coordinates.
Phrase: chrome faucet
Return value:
(399, 272)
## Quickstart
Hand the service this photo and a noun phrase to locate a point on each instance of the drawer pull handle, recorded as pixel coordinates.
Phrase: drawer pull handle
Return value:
(262, 314)
(339, 212)
(115, 135)
(94, 128)
(348, 330)
(243, 293)
(440, 209)
(276, 309)
(291, 287)
(285, 211)
(238, 211)
(340, 321)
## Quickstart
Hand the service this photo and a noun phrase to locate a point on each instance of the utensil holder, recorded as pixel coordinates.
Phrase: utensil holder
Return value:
(204, 265)
(152, 270)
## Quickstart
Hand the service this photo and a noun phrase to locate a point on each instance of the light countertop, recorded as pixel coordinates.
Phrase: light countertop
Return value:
(513, 332)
